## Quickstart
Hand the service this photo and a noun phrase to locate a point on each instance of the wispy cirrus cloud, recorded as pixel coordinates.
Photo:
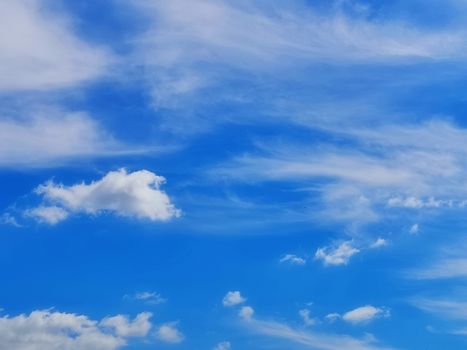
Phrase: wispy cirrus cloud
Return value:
(253, 37)
(308, 338)
(41, 50)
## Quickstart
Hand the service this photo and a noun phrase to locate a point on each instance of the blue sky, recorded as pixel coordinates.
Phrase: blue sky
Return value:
(215, 174)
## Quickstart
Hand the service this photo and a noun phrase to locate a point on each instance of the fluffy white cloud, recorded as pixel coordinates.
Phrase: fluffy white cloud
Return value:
(292, 259)
(50, 137)
(40, 51)
(225, 345)
(48, 214)
(135, 194)
(124, 327)
(336, 255)
(246, 312)
(380, 242)
(233, 298)
(169, 333)
(364, 314)
(63, 331)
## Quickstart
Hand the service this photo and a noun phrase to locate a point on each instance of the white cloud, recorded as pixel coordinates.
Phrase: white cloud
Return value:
(41, 51)
(364, 314)
(443, 268)
(60, 331)
(48, 214)
(233, 298)
(380, 242)
(414, 229)
(225, 345)
(416, 203)
(148, 297)
(305, 315)
(387, 164)
(246, 312)
(50, 137)
(189, 43)
(447, 308)
(332, 317)
(310, 339)
(169, 333)
(123, 327)
(337, 254)
(292, 259)
(135, 194)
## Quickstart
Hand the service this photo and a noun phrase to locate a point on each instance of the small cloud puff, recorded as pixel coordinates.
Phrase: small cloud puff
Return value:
(169, 333)
(246, 312)
(336, 255)
(233, 298)
(225, 345)
(380, 242)
(363, 314)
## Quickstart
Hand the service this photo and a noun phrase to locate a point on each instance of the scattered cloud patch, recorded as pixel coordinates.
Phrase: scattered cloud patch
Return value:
(124, 327)
(148, 297)
(233, 298)
(225, 345)
(305, 315)
(309, 338)
(246, 312)
(292, 259)
(42, 51)
(52, 137)
(380, 242)
(169, 333)
(135, 194)
(365, 314)
(444, 268)
(336, 255)
(414, 229)
(46, 329)
(48, 214)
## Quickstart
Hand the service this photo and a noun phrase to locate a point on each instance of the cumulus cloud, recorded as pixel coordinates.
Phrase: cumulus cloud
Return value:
(46, 329)
(292, 259)
(337, 254)
(233, 298)
(169, 333)
(225, 345)
(380, 242)
(124, 327)
(50, 137)
(246, 312)
(135, 194)
(364, 314)
(48, 214)
(41, 50)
